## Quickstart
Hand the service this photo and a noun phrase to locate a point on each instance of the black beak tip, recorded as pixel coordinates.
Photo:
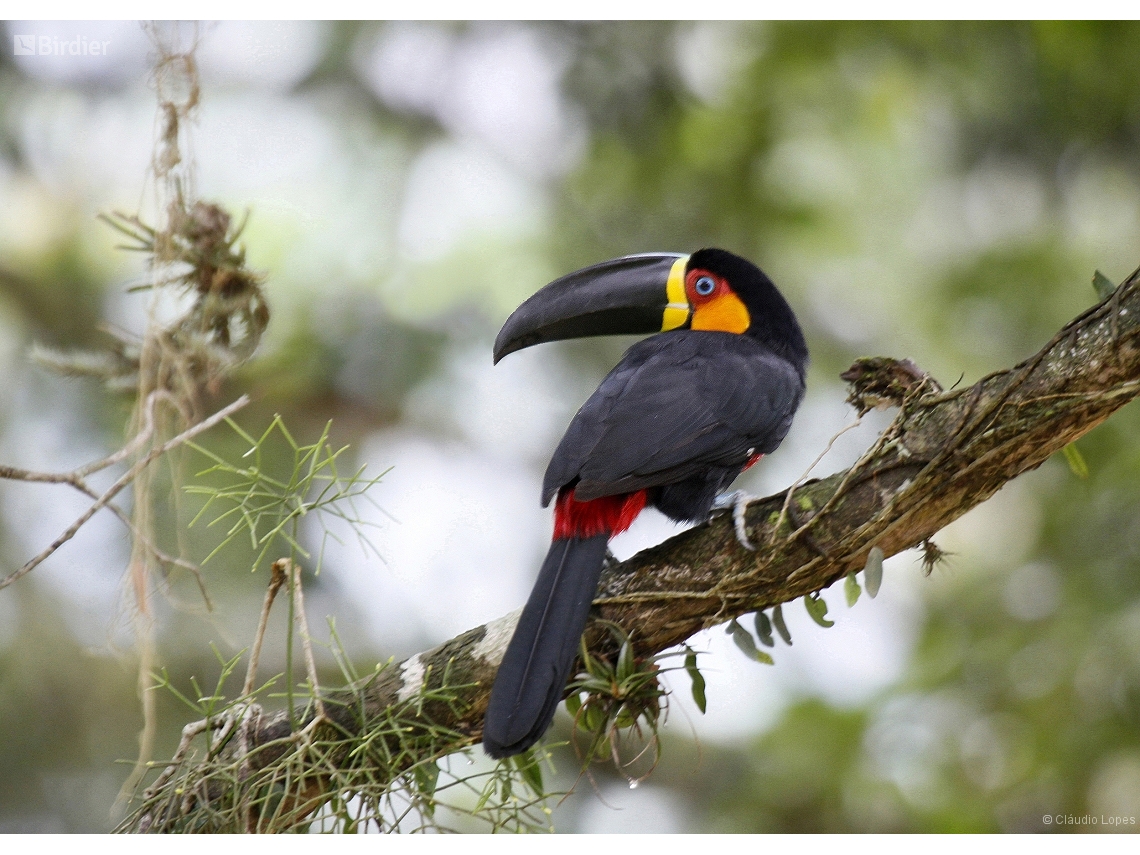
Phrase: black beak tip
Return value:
(507, 343)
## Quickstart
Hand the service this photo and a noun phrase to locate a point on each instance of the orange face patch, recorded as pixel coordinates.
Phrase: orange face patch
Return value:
(715, 305)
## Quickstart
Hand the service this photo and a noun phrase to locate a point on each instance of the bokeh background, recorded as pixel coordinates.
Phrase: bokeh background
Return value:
(941, 192)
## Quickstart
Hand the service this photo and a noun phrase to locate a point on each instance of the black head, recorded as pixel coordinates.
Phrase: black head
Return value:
(731, 294)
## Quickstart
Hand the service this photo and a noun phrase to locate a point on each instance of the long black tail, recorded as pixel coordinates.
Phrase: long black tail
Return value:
(537, 664)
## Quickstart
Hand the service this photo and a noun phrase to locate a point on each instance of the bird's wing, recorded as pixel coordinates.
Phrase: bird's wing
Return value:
(675, 405)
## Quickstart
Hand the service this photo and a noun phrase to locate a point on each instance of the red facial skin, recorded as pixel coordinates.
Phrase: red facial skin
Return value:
(691, 286)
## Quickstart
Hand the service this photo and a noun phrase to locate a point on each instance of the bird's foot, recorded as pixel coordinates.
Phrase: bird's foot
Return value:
(738, 501)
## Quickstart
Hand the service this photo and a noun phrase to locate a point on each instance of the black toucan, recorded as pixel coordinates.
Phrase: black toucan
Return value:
(682, 414)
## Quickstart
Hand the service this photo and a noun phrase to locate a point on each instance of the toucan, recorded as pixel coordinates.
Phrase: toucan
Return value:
(682, 414)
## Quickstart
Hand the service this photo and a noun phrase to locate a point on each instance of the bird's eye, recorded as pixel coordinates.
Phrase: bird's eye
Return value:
(705, 286)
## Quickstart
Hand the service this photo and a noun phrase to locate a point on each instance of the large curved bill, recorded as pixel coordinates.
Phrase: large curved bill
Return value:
(635, 294)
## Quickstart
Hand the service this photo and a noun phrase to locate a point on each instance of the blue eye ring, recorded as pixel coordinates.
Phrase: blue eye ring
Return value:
(704, 286)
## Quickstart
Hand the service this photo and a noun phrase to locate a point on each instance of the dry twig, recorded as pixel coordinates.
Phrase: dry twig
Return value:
(77, 477)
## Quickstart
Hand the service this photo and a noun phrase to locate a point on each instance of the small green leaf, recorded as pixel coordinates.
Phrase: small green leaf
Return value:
(625, 662)
(697, 678)
(427, 778)
(594, 685)
(781, 627)
(873, 572)
(817, 608)
(573, 704)
(1076, 460)
(1103, 285)
(851, 590)
(527, 765)
(596, 668)
(592, 719)
(488, 791)
(747, 646)
(764, 629)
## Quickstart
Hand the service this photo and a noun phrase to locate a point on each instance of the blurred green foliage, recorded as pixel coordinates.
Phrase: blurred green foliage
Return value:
(939, 191)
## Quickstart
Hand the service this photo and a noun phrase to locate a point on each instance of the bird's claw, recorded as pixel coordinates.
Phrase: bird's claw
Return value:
(738, 501)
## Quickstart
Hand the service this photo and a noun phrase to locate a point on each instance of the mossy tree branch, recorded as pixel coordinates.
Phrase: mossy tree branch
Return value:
(944, 454)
